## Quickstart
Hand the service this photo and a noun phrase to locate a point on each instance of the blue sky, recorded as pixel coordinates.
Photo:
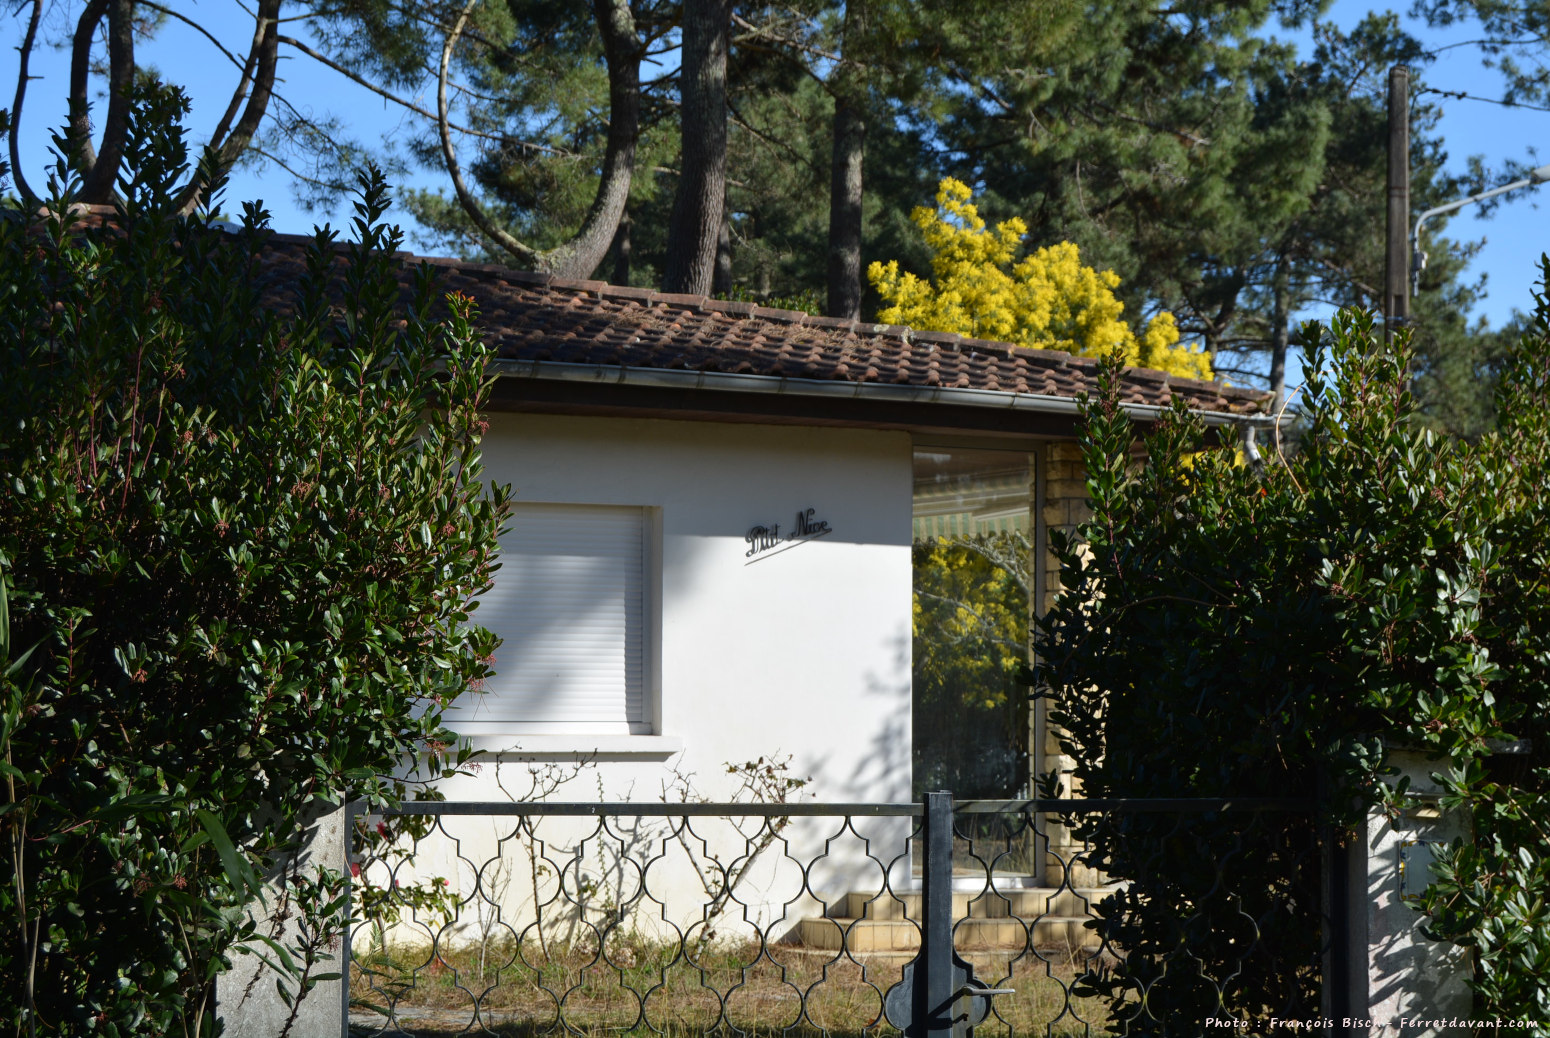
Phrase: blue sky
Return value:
(1514, 236)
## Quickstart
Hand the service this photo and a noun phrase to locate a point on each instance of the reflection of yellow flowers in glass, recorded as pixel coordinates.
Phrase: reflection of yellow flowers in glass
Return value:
(1046, 300)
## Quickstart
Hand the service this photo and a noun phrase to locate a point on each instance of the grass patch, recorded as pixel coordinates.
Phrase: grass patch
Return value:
(637, 986)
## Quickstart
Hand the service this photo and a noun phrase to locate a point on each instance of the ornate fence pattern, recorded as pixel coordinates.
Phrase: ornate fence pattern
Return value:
(829, 919)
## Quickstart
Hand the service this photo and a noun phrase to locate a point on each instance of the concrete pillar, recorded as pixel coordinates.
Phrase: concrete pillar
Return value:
(245, 996)
(1396, 975)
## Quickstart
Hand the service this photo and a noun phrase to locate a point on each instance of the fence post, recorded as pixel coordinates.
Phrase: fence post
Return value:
(254, 1000)
(1395, 972)
(1334, 910)
(351, 809)
(935, 998)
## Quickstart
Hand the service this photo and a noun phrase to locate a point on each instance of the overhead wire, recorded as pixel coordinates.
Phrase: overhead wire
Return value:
(1461, 95)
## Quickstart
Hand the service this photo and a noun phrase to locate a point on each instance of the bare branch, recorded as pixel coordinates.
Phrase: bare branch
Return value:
(1532, 40)
(757, 32)
(411, 106)
(200, 29)
(278, 161)
(470, 204)
(256, 85)
(265, 53)
(772, 142)
(580, 255)
(189, 197)
(27, 193)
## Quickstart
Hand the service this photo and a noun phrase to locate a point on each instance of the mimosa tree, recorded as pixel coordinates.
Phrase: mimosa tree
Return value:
(1047, 299)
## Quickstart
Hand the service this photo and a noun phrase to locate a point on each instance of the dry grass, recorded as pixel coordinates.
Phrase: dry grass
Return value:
(639, 987)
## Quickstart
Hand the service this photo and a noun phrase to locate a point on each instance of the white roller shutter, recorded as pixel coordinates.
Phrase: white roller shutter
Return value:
(570, 603)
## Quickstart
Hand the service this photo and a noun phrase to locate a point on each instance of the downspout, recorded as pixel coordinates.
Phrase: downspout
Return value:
(1249, 433)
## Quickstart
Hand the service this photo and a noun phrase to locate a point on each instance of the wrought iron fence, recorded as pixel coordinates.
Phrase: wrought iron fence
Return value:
(1045, 917)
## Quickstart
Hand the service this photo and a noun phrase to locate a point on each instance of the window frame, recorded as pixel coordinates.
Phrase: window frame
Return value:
(628, 737)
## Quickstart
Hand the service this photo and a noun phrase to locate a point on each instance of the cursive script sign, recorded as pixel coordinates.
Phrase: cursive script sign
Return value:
(764, 541)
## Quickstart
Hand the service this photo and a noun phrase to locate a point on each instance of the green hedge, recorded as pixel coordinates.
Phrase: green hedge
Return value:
(241, 548)
(1233, 628)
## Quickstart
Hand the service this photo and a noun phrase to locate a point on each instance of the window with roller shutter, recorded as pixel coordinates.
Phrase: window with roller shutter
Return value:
(570, 603)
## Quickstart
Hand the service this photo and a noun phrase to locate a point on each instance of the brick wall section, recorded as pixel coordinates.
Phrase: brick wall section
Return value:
(1065, 506)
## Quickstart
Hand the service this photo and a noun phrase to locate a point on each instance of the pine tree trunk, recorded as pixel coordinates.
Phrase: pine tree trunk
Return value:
(695, 224)
(258, 81)
(845, 184)
(1280, 334)
(580, 256)
(101, 167)
(721, 280)
(848, 87)
(622, 249)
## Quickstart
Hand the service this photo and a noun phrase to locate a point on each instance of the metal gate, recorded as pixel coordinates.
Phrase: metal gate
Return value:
(929, 919)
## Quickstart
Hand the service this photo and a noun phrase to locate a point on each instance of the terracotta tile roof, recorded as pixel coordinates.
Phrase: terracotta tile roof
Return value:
(537, 317)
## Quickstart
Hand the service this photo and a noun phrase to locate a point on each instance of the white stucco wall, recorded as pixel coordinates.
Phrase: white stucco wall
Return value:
(805, 652)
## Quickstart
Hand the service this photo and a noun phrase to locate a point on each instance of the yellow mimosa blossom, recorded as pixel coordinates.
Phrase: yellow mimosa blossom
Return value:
(1046, 300)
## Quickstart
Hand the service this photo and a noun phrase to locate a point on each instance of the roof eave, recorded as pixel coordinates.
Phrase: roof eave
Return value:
(835, 389)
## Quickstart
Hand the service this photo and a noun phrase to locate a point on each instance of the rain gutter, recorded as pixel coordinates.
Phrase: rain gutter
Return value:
(836, 389)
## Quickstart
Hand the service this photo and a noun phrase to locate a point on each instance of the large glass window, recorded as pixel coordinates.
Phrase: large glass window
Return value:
(973, 577)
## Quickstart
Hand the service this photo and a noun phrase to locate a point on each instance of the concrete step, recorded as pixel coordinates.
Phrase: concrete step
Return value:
(1012, 902)
(872, 936)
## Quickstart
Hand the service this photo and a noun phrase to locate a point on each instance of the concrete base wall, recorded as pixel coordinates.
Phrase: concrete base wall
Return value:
(1398, 975)
(247, 1000)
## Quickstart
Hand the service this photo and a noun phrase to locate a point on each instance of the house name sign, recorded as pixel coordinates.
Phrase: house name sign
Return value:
(766, 541)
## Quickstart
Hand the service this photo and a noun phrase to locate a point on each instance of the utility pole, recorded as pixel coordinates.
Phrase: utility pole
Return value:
(1396, 296)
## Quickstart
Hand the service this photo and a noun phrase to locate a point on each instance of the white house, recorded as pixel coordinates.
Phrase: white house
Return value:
(710, 559)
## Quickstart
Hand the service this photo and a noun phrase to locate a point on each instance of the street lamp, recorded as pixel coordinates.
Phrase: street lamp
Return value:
(1418, 258)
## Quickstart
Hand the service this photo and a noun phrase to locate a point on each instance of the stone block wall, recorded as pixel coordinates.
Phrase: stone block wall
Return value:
(1065, 505)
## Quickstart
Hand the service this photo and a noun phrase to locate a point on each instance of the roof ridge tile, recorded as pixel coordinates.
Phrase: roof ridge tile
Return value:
(770, 313)
(938, 338)
(682, 300)
(738, 307)
(627, 292)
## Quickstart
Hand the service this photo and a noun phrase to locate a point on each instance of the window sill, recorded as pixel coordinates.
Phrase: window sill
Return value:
(578, 747)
